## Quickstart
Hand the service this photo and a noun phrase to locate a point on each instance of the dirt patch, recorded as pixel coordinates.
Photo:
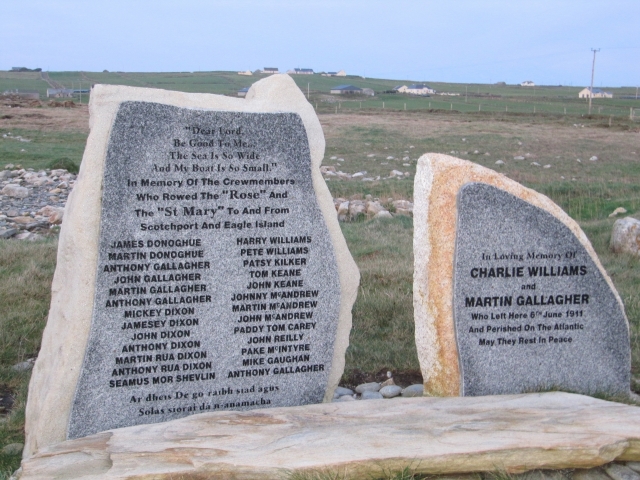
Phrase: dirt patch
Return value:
(46, 119)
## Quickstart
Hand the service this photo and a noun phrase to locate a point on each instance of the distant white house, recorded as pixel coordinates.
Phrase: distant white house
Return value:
(417, 89)
(270, 70)
(597, 93)
(346, 90)
(301, 71)
(527, 83)
(368, 91)
(246, 72)
(341, 73)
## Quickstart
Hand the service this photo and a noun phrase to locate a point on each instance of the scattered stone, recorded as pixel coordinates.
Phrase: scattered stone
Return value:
(625, 237)
(340, 160)
(368, 387)
(358, 174)
(547, 166)
(620, 472)
(333, 158)
(590, 474)
(499, 162)
(341, 391)
(519, 157)
(369, 395)
(535, 164)
(13, 190)
(24, 366)
(390, 391)
(617, 211)
(327, 168)
(387, 382)
(345, 398)
(396, 173)
(13, 449)
(390, 157)
(383, 214)
(8, 233)
(578, 160)
(594, 158)
(416, 390)
(635, 466)
(371, 155)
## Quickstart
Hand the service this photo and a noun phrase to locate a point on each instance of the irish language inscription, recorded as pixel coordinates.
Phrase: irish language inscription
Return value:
(531, 308)
(217, 286)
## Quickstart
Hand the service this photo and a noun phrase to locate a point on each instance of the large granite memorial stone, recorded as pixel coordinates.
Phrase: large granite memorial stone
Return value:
(509, 295)
(213, 276)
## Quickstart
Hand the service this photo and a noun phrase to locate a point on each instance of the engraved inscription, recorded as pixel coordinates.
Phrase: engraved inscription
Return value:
(217, 285)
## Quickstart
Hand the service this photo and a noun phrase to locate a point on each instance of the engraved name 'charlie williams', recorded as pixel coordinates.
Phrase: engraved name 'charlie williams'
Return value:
(217, 287)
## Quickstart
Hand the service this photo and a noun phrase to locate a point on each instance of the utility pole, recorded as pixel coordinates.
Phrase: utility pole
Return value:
(593, 69)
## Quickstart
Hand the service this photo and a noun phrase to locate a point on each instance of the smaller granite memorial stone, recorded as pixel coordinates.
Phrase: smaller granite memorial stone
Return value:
(200, 268)
(509, 295)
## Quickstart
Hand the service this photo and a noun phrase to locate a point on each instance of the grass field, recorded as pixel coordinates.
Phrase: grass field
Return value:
(360, 140)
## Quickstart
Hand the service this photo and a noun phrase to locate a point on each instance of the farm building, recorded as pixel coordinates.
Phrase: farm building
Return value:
(301, 71)
(30, 94)
(527, 83)
(59, 92)
(341, 73)
(243, 92)
(417, 89)
(270, 70)
(597, 93)
(346, 90)
(246, 72)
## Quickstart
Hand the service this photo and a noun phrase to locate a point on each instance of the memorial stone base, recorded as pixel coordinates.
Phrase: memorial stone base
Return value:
(371, 439)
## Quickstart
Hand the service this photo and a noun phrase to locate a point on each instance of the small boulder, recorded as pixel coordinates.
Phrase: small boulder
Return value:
(625, 237)
(617, 211)
(16, 191)
(390, 391)
(368, 387)
(13, 449)
(341, 391)
(416, 390)
(371, 396)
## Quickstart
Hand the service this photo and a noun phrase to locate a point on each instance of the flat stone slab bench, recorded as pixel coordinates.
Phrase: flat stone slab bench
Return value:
(364, 439)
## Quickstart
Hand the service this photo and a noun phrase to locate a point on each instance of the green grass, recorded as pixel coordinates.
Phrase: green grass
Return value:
(26, 270)
(43, 148)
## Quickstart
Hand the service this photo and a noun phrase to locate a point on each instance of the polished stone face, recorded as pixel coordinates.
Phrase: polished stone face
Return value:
(532, 311)
(217, 285)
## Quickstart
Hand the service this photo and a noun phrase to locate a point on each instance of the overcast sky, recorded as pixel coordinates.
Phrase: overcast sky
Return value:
(485, 41)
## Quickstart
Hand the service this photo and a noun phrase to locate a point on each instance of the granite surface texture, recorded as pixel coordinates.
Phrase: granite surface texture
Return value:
(532, 311)
(217, 286)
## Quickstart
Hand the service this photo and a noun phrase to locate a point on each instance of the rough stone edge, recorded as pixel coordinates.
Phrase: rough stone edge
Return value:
(56, 371)
(438, 179)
